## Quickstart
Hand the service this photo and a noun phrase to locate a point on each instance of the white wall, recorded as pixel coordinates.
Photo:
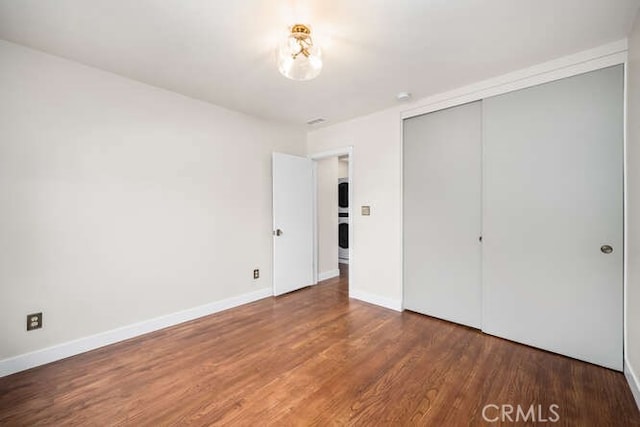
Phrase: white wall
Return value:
(327, 211)
(375, 262)
(633, 209)
(121, 202)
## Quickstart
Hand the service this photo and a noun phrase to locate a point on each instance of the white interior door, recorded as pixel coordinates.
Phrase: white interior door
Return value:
(292, 223)
(553, 204)
(442, 214)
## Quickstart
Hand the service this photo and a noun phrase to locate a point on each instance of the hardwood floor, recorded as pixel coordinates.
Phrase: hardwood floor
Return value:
(314, 357)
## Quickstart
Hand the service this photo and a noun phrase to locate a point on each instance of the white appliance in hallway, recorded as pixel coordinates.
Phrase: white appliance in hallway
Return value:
(343, 220)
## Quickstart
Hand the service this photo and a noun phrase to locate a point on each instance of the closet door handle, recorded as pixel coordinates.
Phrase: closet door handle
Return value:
(606, 249)
(278, 232)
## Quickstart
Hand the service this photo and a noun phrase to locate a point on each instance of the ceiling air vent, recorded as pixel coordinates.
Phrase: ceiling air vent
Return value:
(316, 121)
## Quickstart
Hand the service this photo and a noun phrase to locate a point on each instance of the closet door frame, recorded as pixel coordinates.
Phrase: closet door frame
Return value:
(608, 55)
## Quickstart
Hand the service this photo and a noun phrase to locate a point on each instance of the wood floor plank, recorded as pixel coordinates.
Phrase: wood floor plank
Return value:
(314, 357)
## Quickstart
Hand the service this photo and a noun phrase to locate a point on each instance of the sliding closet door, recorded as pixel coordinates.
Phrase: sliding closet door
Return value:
(442, 208)
(553, 216)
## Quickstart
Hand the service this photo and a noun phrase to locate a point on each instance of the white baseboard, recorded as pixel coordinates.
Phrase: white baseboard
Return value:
(328, 274)
(81, 345)
(632, 379)
(376, 299)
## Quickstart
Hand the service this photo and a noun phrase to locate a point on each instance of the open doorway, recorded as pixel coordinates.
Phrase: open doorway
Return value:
(333, 208)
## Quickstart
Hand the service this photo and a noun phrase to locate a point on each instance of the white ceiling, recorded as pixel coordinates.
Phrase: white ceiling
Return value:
(223, 51)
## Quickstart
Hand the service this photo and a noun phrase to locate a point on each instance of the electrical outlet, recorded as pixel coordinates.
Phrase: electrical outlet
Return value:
(34, 321)
(256, 273)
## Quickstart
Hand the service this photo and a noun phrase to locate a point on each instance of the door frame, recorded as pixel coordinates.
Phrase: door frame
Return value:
(338, 152)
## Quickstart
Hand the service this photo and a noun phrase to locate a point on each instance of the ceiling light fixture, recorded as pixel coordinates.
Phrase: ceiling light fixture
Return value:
(298, 57)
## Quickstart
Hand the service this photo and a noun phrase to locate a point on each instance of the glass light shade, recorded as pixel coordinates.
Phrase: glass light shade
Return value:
(296, 65)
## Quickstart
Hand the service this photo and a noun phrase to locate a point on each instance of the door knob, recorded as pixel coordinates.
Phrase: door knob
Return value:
(278, 232)
(606, 249)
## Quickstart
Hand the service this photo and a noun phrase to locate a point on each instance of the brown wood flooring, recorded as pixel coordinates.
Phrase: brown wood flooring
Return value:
(314, 357)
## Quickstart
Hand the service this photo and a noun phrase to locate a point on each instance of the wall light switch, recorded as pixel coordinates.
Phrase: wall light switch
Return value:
(366, 210)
